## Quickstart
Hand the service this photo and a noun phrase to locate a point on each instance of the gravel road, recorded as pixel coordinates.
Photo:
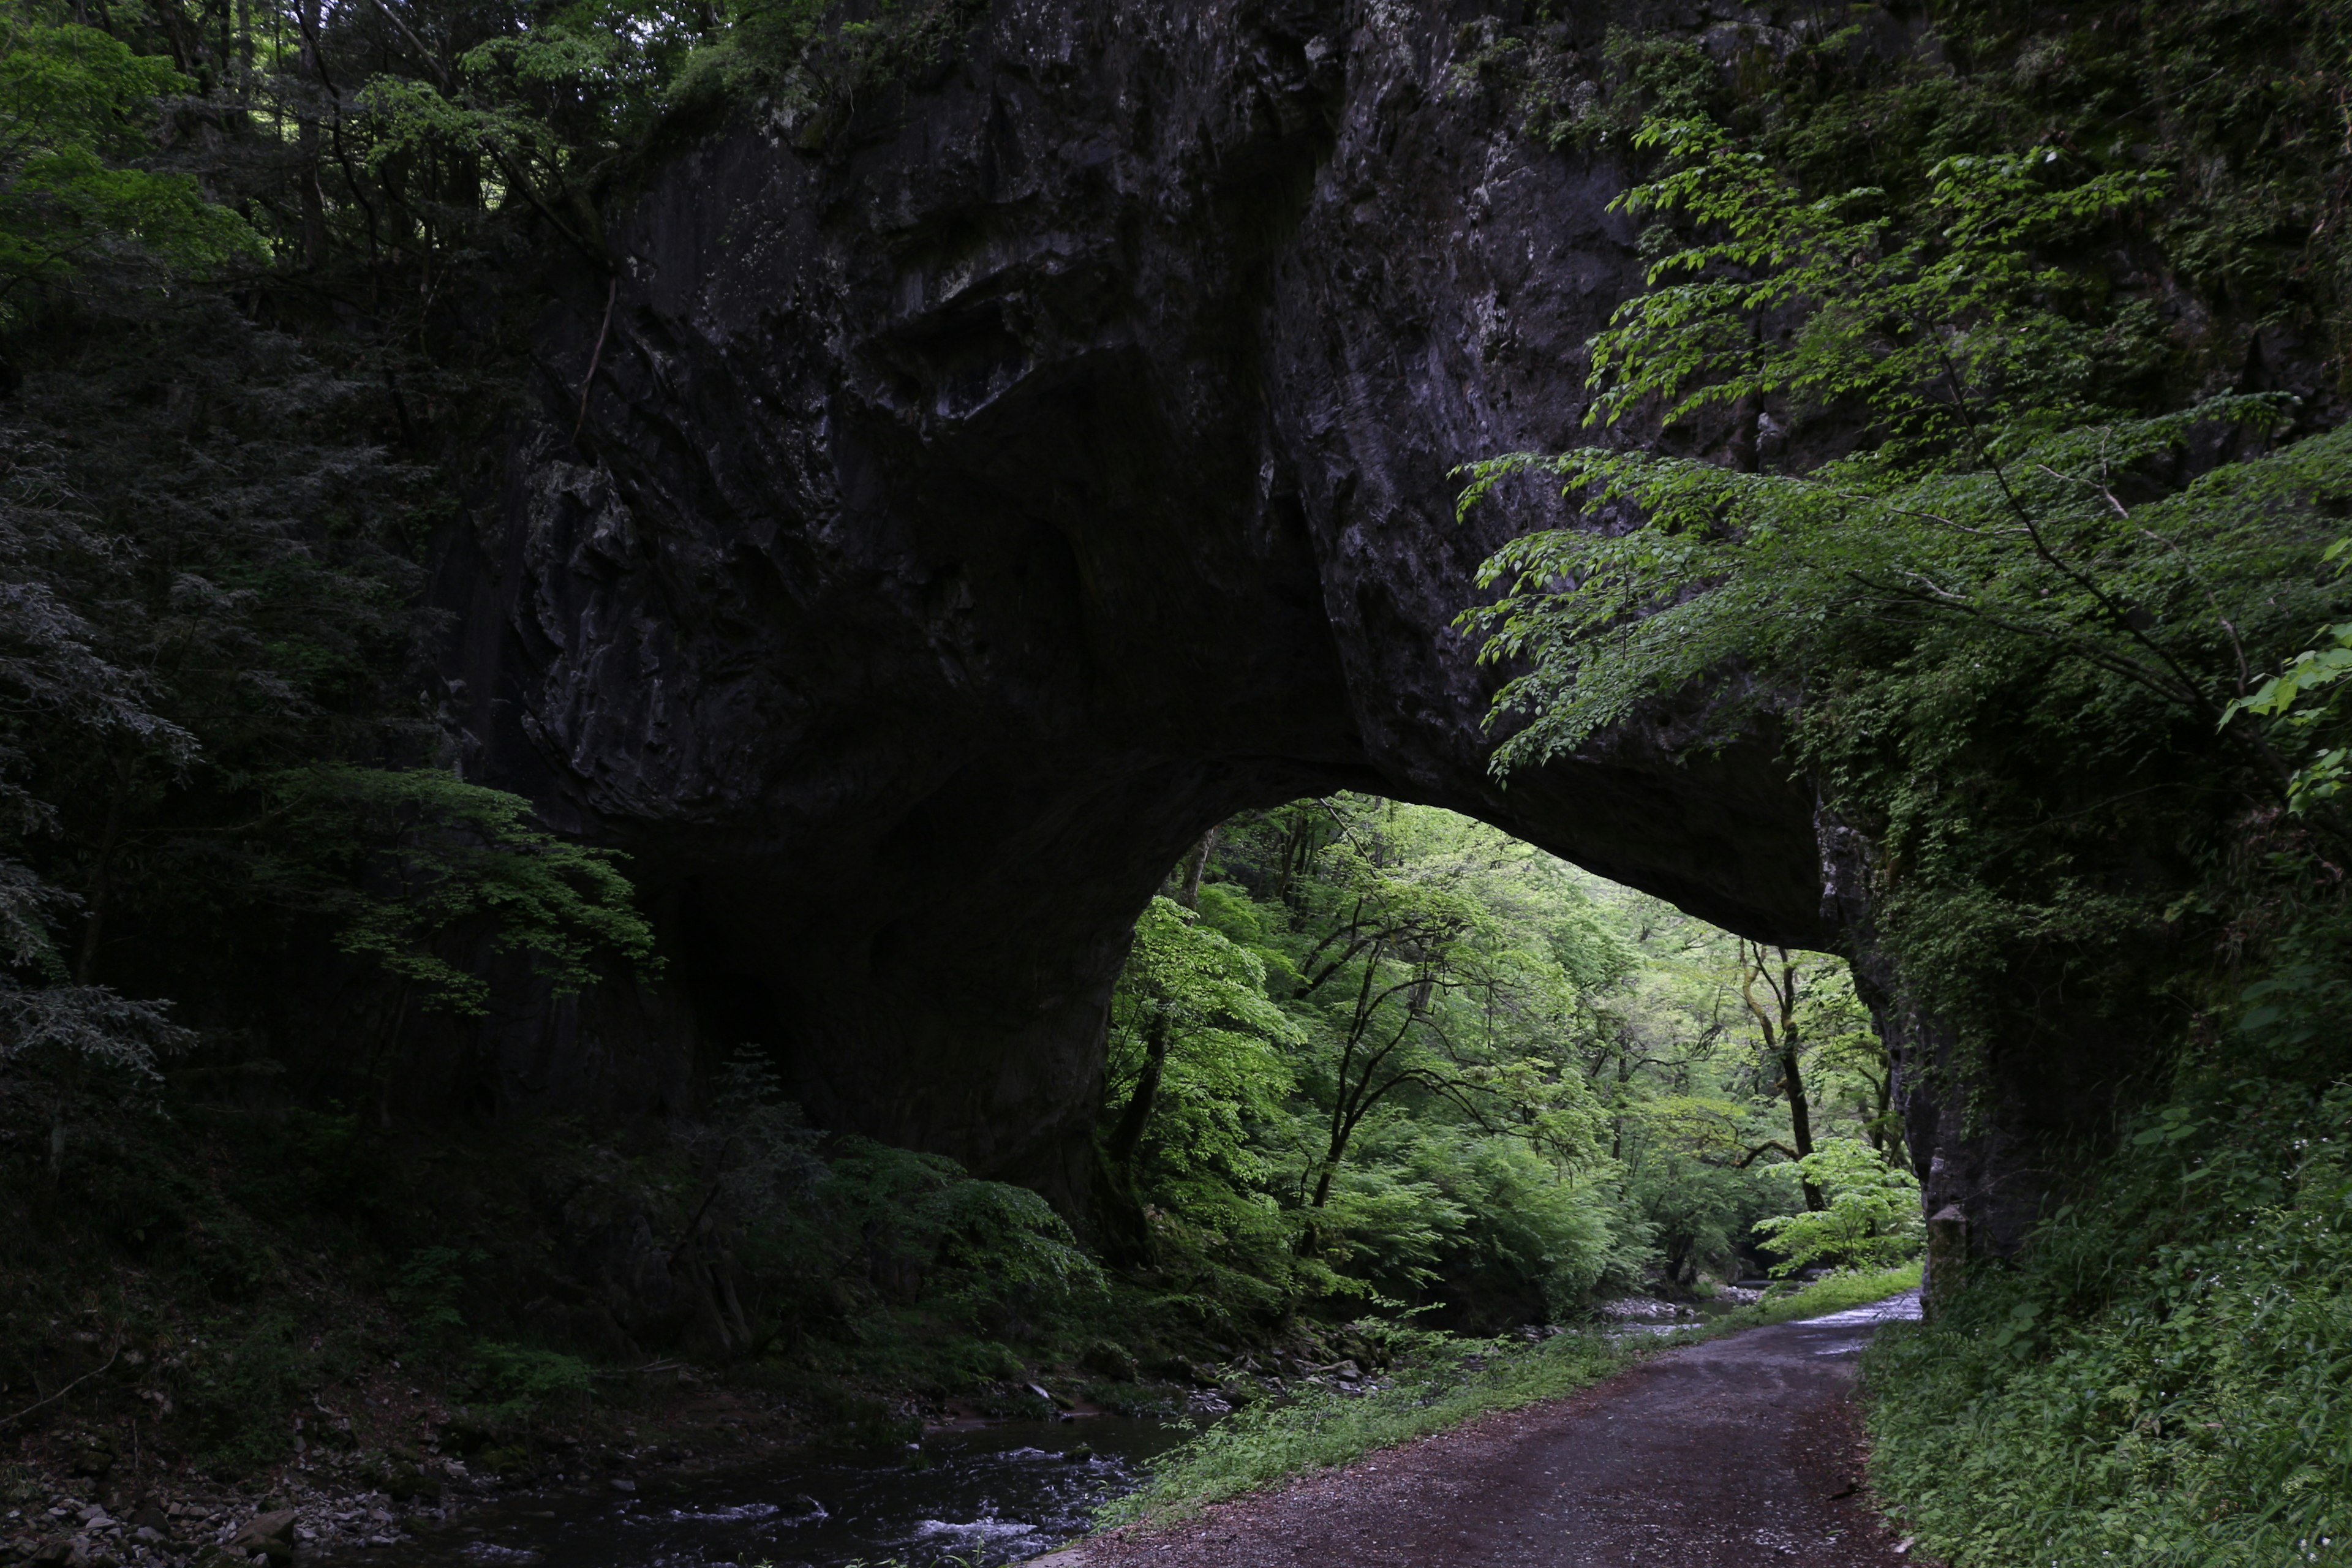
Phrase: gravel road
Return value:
(1738, 1453)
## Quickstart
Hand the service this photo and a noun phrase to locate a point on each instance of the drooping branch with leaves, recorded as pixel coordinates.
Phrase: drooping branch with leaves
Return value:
(1996, 607)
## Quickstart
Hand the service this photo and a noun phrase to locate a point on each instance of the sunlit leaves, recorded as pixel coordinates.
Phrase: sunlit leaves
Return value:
(1873, 1218)
(77, 114)
(1224, 1067)
(1994, 512)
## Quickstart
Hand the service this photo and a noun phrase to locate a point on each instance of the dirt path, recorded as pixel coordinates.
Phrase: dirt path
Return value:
(1742, 1451)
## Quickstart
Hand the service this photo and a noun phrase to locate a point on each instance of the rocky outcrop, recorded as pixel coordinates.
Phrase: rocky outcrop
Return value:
(989, 482)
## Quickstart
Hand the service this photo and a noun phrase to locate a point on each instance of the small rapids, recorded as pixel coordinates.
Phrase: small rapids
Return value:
(996, 1495)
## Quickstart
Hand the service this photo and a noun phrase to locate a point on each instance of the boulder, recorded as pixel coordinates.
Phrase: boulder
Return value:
(1105, 1358)
(270, 1534)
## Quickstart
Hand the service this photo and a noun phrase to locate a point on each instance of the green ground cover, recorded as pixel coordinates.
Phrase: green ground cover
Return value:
(2165, 1377)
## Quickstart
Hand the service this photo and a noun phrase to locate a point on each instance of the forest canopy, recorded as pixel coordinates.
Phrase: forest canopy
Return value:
(1372, 1051)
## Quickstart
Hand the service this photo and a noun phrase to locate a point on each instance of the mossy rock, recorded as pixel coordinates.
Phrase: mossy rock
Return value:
(1105, 1358)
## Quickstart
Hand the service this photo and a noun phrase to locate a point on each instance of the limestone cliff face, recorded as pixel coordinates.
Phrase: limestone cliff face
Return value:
(986, 486)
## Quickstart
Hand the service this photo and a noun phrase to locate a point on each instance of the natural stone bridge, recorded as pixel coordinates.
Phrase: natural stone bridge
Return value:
(989, 484)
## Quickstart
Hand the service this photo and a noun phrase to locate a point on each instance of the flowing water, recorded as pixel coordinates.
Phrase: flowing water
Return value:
(999, 1494)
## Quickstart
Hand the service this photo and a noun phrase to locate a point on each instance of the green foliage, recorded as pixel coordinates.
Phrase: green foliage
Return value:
(1199, 1000)
(1982, 514)
(1906, 327)
(518, 1382)
(825, 1229)
(426, 1291)
(77, 114)
(1338, 1078)
(2161, 1378)
(1005, 1255)
(2008, 583)
(402, 860)
(241, 1379)
(1406, 1062)
(1872, 1220)
(2304, 703)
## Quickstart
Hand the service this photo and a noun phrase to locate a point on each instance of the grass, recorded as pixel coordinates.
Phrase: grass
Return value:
(1441, 1383)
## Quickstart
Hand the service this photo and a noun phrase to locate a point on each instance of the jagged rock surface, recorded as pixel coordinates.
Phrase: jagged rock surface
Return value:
(986, 486)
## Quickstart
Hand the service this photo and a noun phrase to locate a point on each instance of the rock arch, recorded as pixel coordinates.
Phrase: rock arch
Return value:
(987, 485)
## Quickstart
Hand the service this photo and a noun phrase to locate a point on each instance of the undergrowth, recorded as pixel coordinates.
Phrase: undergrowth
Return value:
(2164, 1376)
(235, 1287)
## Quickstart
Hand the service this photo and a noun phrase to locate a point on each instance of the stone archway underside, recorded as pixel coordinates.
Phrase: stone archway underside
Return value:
(984, 491)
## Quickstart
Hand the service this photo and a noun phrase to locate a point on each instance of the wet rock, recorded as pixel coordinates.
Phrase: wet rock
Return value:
(270, 1534)
(1645, 1309)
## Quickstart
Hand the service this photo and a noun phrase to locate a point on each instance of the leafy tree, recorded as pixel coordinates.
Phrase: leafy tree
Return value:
(1414, 984)
(61, 688)
(400, 861)
(77, 112)
(1194, 1051)
(1871, 1218)
(2010, 616)
(1779, 974)
(1421, 1063)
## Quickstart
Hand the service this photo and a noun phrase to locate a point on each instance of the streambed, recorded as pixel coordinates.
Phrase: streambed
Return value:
(997, 1494)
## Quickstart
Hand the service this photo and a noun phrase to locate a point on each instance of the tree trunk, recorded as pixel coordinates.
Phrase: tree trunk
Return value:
(1196, 862)
(1127, 1136)
(1800, 1117)
(1779, 1026)
(314, 197)
(1295, 847)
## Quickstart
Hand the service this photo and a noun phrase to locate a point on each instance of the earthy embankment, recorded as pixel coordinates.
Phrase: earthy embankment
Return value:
(1741, 1451)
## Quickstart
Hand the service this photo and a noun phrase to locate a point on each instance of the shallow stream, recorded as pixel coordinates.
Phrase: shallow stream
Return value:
(1000, 1494)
